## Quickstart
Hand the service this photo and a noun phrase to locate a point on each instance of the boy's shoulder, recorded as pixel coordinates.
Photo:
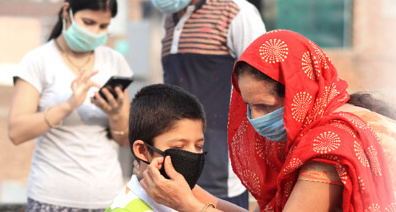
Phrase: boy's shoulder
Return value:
(127, 201)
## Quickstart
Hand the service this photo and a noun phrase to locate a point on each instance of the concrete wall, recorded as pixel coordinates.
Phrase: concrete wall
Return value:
(370, 65)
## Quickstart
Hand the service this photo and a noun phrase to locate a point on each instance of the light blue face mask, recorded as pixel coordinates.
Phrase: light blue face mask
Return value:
(80, 39)
(170, 6)
(269, 125)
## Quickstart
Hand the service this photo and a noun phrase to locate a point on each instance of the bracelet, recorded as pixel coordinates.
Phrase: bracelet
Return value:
(121, 132)
(48, 122)
(207, 205)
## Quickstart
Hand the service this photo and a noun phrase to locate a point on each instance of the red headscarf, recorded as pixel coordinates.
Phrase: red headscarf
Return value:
(268, 169)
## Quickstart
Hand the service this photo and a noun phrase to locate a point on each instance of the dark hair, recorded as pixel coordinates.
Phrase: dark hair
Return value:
(77, 5)
(367, 100)
(156, 108)
(242, 68)
(359, 99)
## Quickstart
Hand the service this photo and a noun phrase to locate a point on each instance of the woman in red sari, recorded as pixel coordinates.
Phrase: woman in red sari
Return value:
(294, 141)
(328, 152)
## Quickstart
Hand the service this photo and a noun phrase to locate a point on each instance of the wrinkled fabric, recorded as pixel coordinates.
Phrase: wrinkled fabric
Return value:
(314, 133)
(385, 129)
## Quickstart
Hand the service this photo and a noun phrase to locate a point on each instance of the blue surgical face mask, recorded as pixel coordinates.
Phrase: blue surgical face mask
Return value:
(170, 6)
(80, 39)
(269, 125)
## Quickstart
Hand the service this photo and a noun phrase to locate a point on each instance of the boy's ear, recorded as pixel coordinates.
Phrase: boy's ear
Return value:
(140, 150)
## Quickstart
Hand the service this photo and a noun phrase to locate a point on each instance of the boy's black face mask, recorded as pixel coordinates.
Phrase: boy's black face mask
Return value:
(188, 164)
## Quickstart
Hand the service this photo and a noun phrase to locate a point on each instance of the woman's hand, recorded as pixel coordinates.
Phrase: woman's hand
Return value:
(174, 192)
(117, 111)
(80, 86)
(112, 106)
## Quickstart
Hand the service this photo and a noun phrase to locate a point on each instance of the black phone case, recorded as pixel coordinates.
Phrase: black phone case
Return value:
(113, 82)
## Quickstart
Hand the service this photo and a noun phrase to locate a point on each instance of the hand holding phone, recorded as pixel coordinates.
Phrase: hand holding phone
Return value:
(112, 83)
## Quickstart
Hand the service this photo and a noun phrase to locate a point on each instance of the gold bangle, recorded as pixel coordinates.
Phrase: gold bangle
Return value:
(207, 205)
(121, 132)
(48, 122)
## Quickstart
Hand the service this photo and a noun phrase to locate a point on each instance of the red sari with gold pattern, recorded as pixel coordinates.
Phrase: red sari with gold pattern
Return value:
(268, 169)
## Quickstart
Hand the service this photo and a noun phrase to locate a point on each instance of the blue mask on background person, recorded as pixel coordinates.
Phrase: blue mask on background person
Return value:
(269, 125)
(170, 6)
(80, 39)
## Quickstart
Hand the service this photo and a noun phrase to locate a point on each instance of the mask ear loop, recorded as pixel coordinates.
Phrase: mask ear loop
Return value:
(153, 148)
(64, 19)
(71, 15)
(63, 24)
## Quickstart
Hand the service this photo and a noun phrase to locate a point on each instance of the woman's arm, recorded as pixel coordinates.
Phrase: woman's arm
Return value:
(117, 110)
(222, 205)
(175, 192)
(119, 123)
(315, 196)
(25, 123)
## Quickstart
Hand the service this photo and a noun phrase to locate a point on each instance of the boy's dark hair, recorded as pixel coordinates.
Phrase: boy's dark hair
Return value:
(156, 108)
(77, 5)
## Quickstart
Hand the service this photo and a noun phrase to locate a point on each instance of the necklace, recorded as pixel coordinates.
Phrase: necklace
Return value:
(79, 67)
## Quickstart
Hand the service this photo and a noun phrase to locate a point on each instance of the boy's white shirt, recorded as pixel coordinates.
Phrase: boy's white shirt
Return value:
(137, 192)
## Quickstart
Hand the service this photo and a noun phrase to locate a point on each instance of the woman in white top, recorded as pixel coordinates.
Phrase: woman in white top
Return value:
(75, 165)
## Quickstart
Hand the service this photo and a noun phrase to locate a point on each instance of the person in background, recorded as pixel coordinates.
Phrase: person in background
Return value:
(203, 40)
(297, 140)
(75, 165)
(257, 4)
(164, 120)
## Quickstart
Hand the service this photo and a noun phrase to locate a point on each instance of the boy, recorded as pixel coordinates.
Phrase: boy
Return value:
(164, 120)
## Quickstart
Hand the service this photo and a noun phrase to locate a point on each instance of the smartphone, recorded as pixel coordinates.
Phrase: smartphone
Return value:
(113, 82)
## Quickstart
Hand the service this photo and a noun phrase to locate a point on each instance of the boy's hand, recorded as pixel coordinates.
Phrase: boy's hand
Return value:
(174, 193)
